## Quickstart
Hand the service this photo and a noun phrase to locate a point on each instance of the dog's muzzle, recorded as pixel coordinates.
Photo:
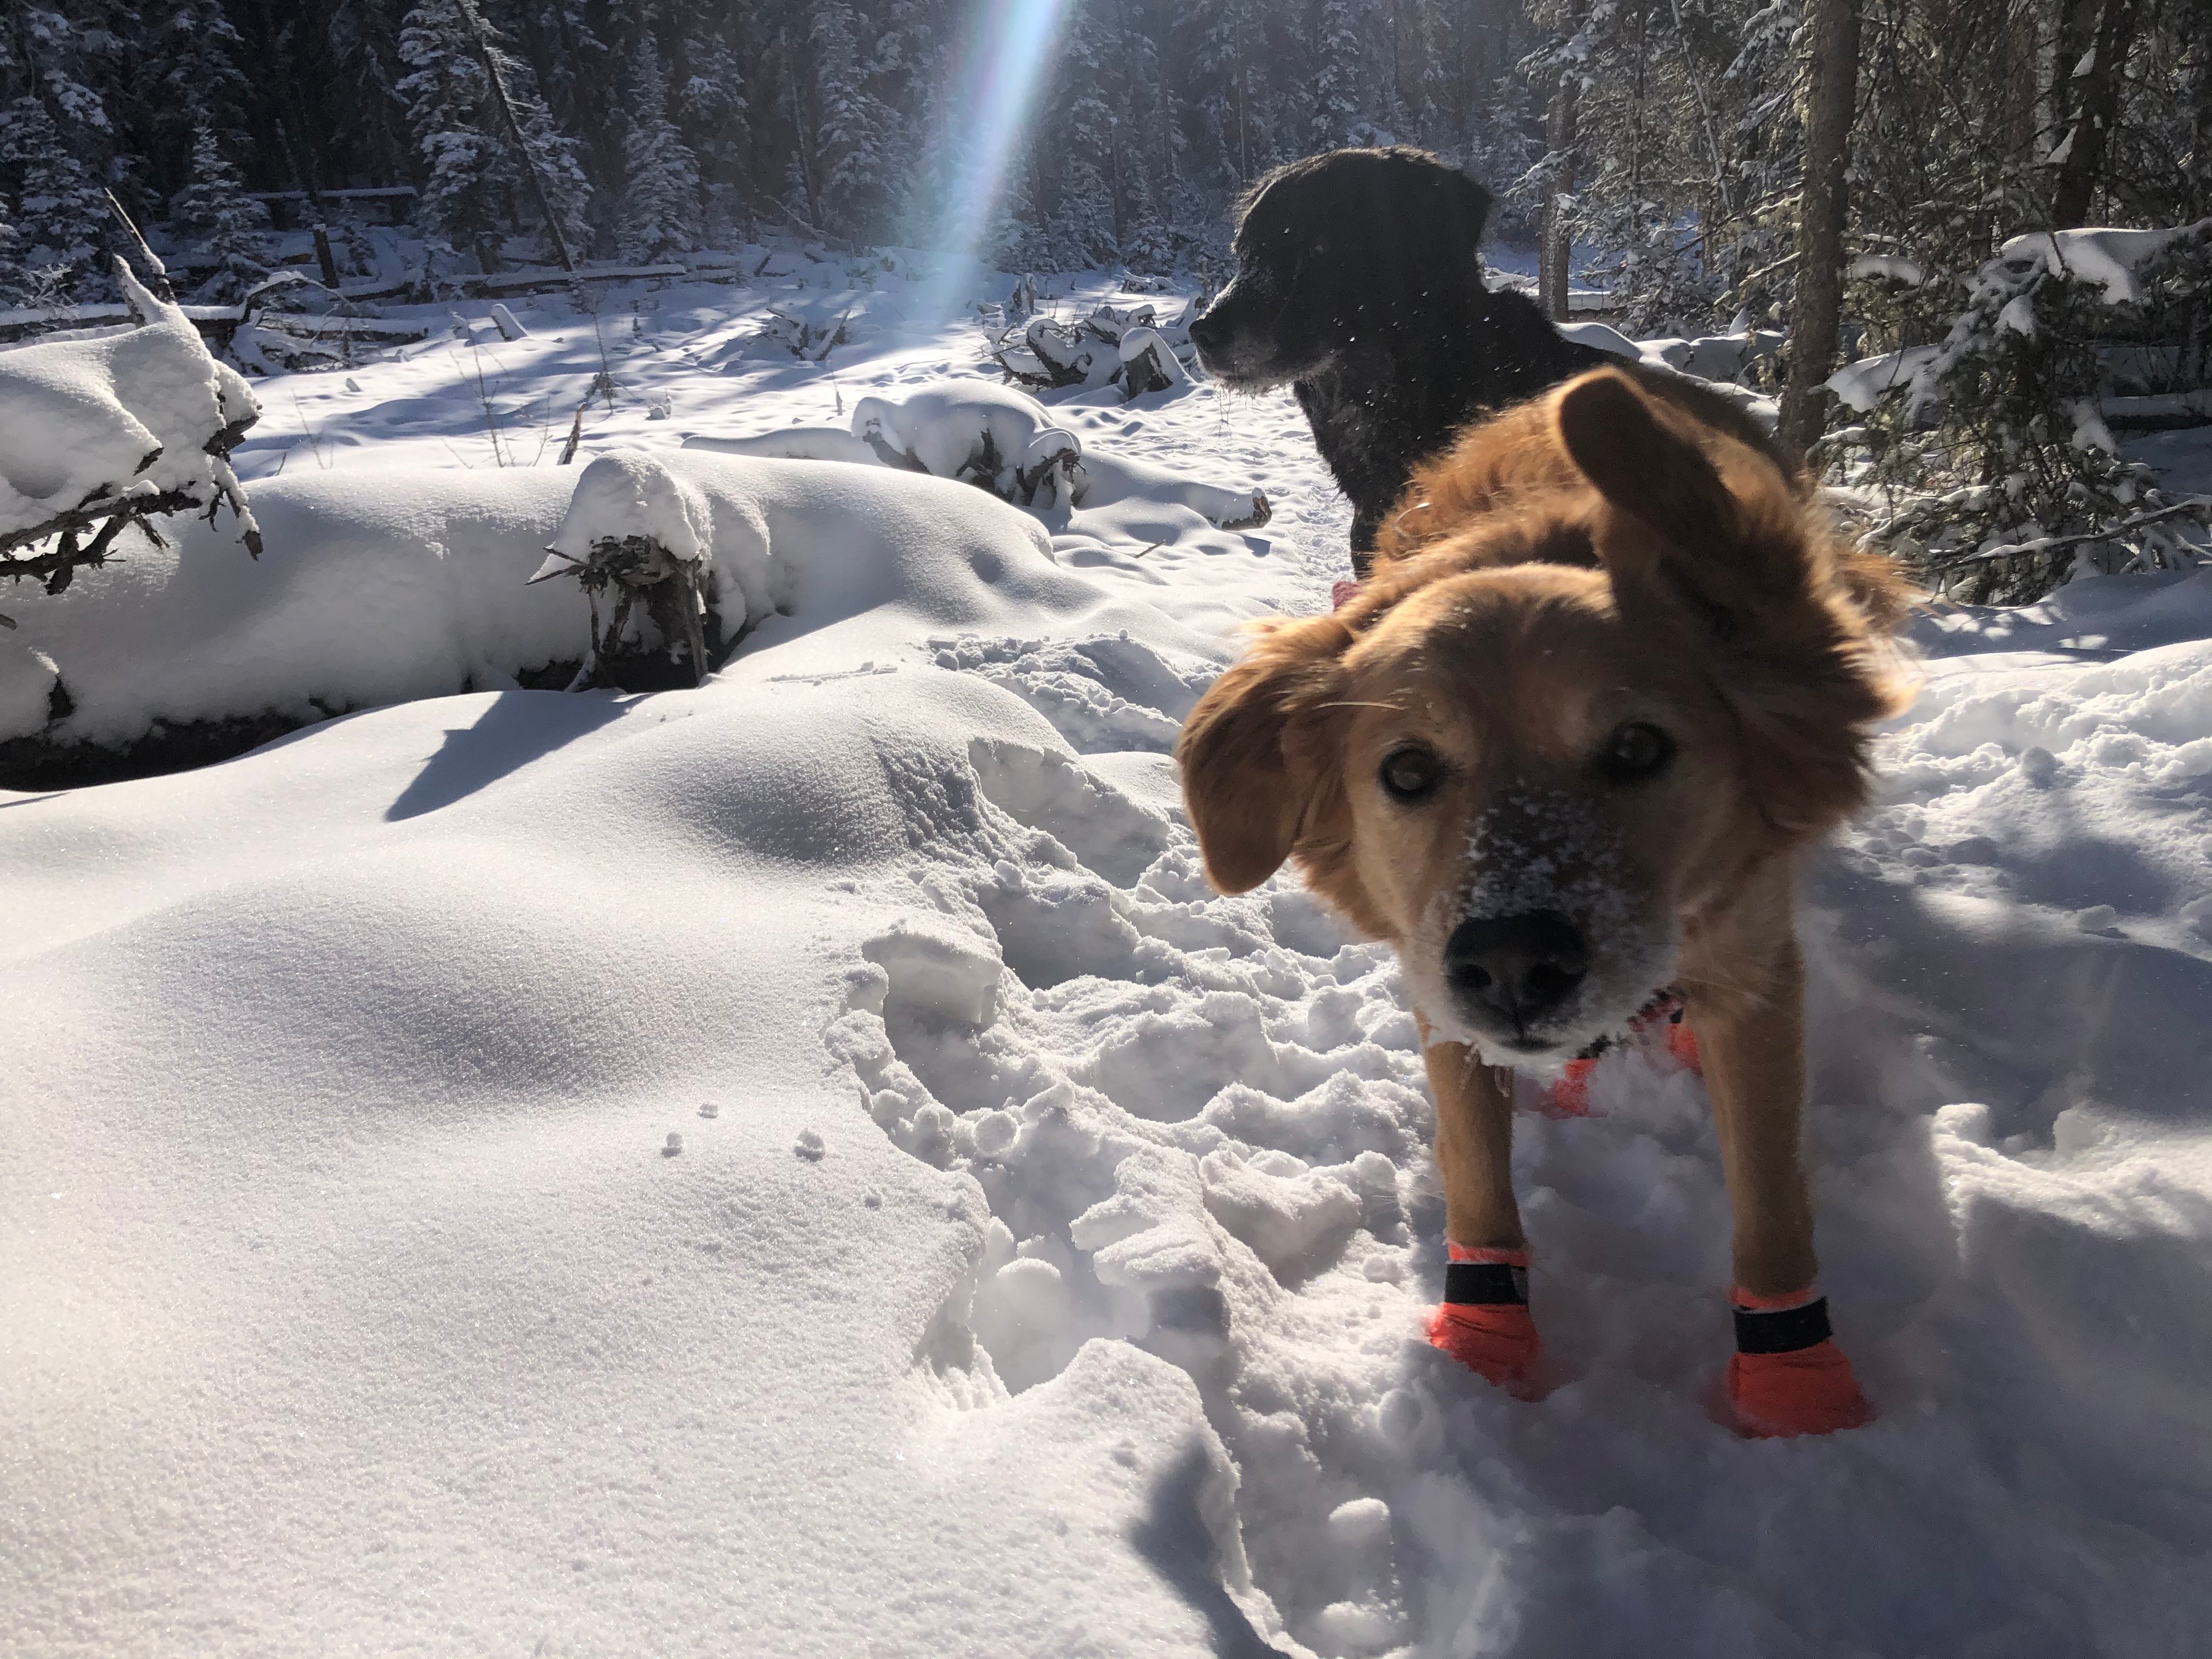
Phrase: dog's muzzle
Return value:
(1517, 973)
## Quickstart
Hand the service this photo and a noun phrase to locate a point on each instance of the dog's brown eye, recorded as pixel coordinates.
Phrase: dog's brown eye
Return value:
(1410, 773)
(1638, 750)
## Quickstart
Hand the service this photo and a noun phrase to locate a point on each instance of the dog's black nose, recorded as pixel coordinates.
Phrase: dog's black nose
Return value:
(1521, 966)
(1207, 333)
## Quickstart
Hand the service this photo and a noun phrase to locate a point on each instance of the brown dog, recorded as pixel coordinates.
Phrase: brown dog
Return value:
(1561, 753)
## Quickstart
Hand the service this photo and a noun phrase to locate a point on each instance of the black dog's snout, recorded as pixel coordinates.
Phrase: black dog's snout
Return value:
(1521, 966)
(1208, 332)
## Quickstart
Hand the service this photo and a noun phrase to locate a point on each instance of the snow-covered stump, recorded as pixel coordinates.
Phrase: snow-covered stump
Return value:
(100, 434)
(990, 436)
(636, 532)
(1147, 364)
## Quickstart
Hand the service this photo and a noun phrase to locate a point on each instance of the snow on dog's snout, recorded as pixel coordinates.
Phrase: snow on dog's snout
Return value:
(1536, 852)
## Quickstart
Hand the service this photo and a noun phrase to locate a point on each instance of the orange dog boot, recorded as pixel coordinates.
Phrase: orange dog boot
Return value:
(1483, 1321)
(1570, 1096)
(1682, 1043)
(1788, 1377)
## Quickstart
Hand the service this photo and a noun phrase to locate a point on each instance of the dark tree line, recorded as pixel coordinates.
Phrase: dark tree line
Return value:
(1846, 169)
(667, 124)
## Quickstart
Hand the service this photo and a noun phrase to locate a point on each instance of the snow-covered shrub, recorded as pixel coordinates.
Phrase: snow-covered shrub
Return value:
(100, 434)
(786, 328)
(1983, 433)
(1119, 348)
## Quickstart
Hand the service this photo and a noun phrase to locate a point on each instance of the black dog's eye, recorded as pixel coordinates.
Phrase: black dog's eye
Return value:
(1410, 774)
(1637, 751)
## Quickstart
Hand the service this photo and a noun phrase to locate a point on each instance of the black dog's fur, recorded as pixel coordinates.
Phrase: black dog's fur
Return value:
(1358, 282)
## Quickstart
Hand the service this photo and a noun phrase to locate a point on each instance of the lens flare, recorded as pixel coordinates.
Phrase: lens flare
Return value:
(1006, 57)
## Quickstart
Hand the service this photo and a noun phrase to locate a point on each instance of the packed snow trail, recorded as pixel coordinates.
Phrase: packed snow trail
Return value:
(808, 1166)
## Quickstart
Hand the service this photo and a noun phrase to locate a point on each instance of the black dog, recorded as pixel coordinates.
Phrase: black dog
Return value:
(1357, 281)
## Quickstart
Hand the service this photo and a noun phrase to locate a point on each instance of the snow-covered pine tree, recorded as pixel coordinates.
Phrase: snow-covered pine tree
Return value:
(1504, 141)
(188, 64)
(659, 215)
(1227, 64)
(710, 116)
(1336, 103)
(1078, 145)
(359, 92)
(62, 218)
(1753, 256)
(559, 161)
(450, 116)
(213, 212)
(12, 290)
(852, 167)
(554, 68)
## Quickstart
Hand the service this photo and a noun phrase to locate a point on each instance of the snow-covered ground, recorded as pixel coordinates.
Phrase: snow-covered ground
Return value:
(806, 1166)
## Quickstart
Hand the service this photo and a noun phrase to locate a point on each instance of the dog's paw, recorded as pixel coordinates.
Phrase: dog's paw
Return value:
(1809, 1391)
(1498, 1340)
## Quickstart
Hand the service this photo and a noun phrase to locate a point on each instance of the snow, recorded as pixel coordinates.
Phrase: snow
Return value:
(807, 1163)
(634, 493)
(126, 414)
(1862, 385)
(1910, 273)
(2110, 259)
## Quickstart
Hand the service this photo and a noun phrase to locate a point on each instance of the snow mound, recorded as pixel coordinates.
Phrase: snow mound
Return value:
(1715, 357)
(134, 414)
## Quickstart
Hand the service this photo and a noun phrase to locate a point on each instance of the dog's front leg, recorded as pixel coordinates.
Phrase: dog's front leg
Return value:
(1483, 1319)
(1746, 993)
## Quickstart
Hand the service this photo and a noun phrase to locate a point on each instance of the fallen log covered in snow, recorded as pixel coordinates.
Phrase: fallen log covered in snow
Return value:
(385, 587)
(1008, 443)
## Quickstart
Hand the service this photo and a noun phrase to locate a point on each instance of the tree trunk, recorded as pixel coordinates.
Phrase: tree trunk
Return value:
(1553, 241)
(1816, 307)
(2199, 179)
(491, 62)
(2096, 98)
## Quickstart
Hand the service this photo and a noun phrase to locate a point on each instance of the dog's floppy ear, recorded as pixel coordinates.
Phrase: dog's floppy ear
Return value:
(1640, 463)
(1738, 552)
(1732, 550)
(1253, 753)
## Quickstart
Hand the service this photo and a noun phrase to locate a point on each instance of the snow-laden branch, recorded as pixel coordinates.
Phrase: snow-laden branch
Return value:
(102, 433)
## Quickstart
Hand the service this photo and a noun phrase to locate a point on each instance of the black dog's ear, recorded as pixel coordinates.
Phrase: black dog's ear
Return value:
(1467, 210)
